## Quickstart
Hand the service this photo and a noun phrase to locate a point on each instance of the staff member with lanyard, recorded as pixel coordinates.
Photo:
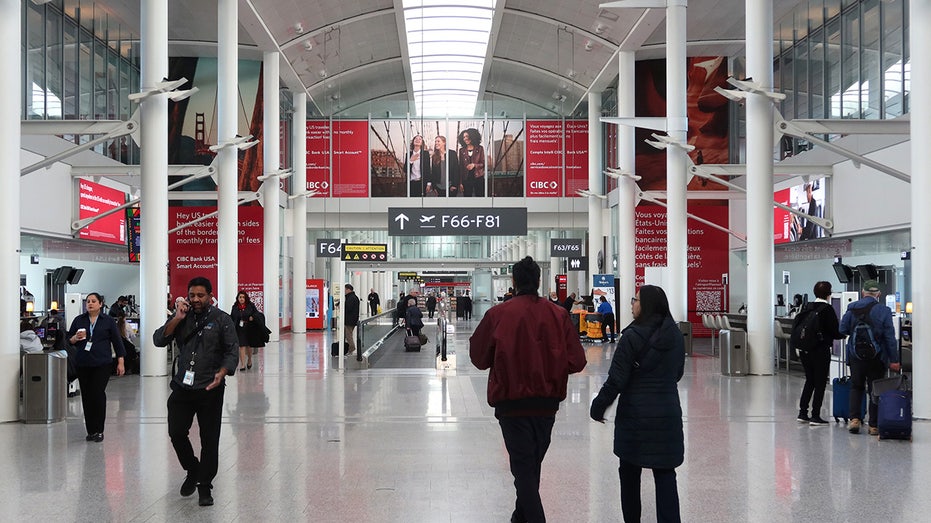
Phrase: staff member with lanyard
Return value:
(207, 341)
(93, 334)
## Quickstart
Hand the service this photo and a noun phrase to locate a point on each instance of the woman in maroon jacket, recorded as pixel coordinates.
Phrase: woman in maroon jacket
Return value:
(531, 348)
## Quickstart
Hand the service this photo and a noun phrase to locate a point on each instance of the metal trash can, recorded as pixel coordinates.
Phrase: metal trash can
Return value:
(734, 354)
(685, 328)
(45, 386)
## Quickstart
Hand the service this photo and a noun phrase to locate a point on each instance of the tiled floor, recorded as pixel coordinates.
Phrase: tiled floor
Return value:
(302, 442)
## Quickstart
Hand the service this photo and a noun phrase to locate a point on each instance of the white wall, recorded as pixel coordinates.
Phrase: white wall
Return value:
(109, 279)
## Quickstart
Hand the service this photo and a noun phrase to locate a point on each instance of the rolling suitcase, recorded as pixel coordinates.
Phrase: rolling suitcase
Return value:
(894, 410)
(841, 400)
(411, 342)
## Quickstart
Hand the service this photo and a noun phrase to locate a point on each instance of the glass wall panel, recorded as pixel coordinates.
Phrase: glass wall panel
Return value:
(801, 80)
(816, 73)
(53, 65)
(850, 63)
(870, 72)
(34, 63)
(832, 63)
(86, 73)
(892, 65)
(70, 63)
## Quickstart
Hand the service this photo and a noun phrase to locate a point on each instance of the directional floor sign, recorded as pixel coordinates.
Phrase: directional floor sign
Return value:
(365, 252)
(487, 221)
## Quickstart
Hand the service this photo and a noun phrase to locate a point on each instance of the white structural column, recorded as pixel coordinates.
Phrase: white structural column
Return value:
(595, 185)
(153, 278)
(299, 212)
(760, 251)
(920, 99)
(225, 287)
(271, 194)
(626, 189)
(676, 164)
(10, 116)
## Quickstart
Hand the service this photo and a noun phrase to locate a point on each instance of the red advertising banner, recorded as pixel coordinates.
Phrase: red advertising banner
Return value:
(192, 251)
(707, 253)
(782, 219)
(315, 304)
(94, 199)
(350, 159)
(576, 157)
(318, 158)
(544, 158)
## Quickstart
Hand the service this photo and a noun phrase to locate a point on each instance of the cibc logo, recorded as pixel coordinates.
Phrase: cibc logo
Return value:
(313, 186)
(544, 185)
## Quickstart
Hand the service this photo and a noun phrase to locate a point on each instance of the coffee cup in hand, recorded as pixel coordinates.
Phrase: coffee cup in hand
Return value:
(81, 334)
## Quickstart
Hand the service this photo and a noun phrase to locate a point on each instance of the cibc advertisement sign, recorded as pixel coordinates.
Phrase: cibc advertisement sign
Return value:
(94, 199)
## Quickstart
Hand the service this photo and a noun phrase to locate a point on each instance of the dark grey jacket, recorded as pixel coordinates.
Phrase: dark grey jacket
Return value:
(648, 430)
(215, 346)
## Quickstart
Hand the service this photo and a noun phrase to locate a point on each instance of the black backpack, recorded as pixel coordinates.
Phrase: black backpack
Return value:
(806, 328)
(864, 347)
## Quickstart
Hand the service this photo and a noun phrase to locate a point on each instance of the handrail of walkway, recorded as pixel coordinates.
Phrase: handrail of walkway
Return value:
(381, 325)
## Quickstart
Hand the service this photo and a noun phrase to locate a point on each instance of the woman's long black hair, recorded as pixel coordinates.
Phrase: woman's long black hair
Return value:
(654, 306)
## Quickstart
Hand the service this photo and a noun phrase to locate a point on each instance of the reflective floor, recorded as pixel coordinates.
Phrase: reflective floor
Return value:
(303, 442)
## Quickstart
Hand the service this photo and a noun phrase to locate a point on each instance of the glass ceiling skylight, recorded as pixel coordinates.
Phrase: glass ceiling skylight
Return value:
(446, 46)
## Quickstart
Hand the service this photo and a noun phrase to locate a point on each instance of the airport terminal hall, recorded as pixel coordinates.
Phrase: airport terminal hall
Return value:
(419, 261)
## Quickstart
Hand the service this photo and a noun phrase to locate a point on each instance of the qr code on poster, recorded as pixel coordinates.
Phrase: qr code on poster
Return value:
(706, 301)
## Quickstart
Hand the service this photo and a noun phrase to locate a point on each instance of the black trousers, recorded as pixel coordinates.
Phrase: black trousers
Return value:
(862, 374)
(93, 381)
(527, 438)
(374, 308)
(608, 323)
(817, 366)
(667, 493)
(207, 405)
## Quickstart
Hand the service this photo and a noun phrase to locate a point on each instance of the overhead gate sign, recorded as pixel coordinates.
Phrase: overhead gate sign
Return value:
(565, 248)
(443, 221)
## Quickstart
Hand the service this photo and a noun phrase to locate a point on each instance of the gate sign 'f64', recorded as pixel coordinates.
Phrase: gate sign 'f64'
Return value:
(486, 221)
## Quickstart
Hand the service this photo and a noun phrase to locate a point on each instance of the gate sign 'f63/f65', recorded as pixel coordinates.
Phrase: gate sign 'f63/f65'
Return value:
(560, 248)
(487, 221)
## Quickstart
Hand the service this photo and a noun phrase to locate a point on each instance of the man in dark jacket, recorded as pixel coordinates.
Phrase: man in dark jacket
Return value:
(374, 302)
(208, 344)
(864, 371)
(350, 318)
(531, 348)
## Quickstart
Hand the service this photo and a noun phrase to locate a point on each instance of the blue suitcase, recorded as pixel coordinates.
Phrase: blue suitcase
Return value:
(841, 400)
(894, 414)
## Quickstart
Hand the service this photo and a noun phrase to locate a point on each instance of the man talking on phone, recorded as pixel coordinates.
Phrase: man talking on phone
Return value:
(208, 352)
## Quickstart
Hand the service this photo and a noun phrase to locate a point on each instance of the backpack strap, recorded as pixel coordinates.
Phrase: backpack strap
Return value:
(864, 313)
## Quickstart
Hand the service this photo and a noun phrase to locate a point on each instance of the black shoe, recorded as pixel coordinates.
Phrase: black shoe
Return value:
(249, 366)
(242, 369)
(204, 499)
(189, 485)
(802, 417)
(816, 421)
(90, 437)
(98, 437)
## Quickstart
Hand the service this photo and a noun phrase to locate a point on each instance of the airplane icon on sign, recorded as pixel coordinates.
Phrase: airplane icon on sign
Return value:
(425, 220)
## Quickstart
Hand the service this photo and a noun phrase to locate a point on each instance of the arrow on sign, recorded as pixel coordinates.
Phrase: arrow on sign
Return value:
(401, 218)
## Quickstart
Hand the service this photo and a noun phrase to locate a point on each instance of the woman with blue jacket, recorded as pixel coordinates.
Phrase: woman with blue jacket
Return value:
(93, 334)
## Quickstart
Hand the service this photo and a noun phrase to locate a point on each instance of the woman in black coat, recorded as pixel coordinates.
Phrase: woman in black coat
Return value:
(243, 314)
(413, 318)
(645, 370)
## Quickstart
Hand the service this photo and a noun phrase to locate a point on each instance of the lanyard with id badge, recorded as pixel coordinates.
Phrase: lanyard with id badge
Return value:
(87, 346)
(198, 331)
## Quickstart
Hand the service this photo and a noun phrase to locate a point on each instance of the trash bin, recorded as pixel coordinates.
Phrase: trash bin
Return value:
(685, 328)
(734, 354)
(45, 386)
